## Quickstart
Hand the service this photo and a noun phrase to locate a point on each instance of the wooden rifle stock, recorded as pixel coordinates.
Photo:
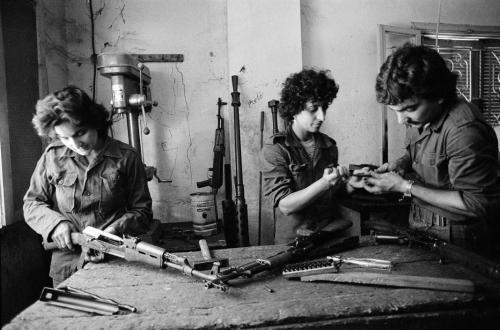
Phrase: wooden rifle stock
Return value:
(241, 215)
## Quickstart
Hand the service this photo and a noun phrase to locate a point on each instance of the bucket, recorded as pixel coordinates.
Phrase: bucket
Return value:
(203, 209)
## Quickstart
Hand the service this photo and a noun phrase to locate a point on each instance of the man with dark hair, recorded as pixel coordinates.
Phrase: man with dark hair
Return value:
(300, 165)
(450, 163)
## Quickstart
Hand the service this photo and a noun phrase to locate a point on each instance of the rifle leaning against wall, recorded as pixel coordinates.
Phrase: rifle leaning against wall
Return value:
(215, 182)
(241, 214)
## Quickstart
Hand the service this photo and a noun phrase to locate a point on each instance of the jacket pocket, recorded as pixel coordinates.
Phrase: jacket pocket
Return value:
(112, 195)
(433, 167)
(65, 186)
(299, 174)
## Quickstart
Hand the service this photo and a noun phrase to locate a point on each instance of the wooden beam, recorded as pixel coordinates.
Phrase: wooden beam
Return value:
(394, 280)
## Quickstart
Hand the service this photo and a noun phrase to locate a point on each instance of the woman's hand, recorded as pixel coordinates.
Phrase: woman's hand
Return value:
(62, 235)
(380, 183)
(334, 176)
(98, 256)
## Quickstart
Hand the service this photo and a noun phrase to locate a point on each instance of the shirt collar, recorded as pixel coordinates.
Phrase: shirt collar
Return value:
(438, 123)
(293, 140)
(110, 149)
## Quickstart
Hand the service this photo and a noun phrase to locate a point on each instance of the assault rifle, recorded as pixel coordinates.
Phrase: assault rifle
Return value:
(133, 249)
(302, 247)
(215, 182)
(447, 251)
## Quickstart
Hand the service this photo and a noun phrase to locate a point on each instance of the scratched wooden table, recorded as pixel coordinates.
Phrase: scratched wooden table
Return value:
(166, 299)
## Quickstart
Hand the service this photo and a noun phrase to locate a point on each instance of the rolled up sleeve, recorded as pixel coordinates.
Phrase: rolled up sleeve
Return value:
(472, 167)
(277, 179)
(38, 205)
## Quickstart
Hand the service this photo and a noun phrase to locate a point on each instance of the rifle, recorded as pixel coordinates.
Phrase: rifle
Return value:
(302, 247)
(229, 210)
(259, 224)
(131, 249)
(446, 250)
(215, 182)
(241, 214)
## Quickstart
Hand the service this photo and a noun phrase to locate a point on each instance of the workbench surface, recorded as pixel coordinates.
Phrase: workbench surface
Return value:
(166, 299)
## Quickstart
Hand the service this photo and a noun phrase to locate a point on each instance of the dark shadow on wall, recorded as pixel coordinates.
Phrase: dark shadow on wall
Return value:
(24, 268)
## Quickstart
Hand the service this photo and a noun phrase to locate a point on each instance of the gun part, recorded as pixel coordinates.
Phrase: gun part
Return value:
(273, 105)
(81, 302)
(332, 265)
(208, 261)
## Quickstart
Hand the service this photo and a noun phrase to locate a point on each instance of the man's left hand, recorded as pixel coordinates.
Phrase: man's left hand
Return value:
(380, 183)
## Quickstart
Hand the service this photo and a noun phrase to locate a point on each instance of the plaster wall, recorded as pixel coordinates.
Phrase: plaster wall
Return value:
(342, 36)
(264, 47)
(182, 126)
(260, 41)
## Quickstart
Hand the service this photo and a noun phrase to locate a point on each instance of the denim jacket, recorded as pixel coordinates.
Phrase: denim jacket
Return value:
(112, 191)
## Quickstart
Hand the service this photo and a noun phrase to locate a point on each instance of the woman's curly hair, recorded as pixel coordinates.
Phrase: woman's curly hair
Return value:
(415, 71)
(306, 85)
(73, 105)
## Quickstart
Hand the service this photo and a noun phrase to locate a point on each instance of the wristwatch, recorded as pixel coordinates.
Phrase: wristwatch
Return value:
(407, 193)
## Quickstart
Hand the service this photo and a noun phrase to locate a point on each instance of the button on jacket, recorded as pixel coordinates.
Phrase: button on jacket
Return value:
(458, 151)
(286, 168)
(111, 191)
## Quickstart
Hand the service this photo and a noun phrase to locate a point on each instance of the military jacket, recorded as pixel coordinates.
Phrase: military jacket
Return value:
(111, 191)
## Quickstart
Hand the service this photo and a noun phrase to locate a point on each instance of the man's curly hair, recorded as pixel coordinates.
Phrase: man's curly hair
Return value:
(306, 85)
(415, 71)
(73, 105)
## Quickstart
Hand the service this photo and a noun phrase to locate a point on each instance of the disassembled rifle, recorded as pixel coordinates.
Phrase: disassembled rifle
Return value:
(133, 249)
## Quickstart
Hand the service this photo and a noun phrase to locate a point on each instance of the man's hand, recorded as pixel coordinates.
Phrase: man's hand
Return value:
(62, 235)
(380, 183)
(391, 167)
(356, 180)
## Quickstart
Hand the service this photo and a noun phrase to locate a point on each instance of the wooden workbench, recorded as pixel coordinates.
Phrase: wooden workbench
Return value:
(166, 299)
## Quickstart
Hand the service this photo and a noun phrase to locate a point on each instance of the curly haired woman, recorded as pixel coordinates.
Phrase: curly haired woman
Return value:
(300, 165)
